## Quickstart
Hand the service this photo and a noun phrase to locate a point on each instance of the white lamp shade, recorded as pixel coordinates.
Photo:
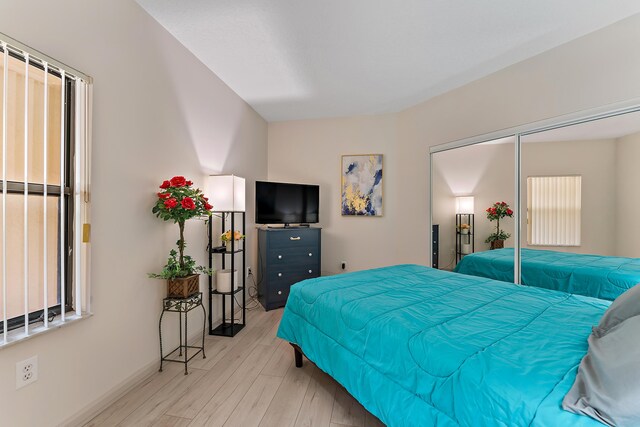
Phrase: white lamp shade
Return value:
(226, 193)
(464, 205)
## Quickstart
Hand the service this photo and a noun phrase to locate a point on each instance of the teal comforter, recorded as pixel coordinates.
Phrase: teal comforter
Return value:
(595, 276)
(423, 347)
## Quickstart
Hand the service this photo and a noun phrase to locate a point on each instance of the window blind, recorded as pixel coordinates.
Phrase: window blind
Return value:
(45, 140)
(554, 209)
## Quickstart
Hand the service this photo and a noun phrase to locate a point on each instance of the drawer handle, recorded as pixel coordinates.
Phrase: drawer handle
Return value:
(279, 274)
(279, 292)
(294, 238)
(310, 271)
(279, 256)
(310, 254)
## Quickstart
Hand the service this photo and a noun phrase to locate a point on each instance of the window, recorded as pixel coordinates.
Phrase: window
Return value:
(43, 135)
(553, 207)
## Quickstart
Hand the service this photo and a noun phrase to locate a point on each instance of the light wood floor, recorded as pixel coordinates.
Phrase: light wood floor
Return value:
(248, 380)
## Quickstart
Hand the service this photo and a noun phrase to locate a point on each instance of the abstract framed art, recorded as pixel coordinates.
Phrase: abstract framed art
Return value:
(361, 185)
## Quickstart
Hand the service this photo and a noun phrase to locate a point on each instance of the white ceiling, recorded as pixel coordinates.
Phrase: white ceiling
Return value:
(295, 59)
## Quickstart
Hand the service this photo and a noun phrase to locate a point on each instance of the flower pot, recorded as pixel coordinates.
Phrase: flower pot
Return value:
(183, 287)
(464, 231)
(224, 278)
(236, 246)
(497, 244)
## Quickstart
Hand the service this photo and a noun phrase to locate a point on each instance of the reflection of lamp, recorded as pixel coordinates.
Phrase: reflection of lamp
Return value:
(227, 193)
(464, 205)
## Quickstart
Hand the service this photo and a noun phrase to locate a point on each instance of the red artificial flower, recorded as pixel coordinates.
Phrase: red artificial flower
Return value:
(206, 199)
(188, 183)
(188, 203)
(503, 203)
(165, 185)
(164, 195)
(178, 181)
(207, 206)
(170, 203)
(509, 212)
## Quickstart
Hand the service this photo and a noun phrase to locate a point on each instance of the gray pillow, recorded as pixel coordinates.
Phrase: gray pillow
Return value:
(625, 306)
(607, 386)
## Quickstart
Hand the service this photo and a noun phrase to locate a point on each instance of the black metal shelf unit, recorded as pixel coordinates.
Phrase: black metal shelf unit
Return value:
(232, 327)
(466, 238)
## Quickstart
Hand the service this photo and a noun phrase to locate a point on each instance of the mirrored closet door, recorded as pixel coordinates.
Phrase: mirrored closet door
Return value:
(555, 206)
(473, 195)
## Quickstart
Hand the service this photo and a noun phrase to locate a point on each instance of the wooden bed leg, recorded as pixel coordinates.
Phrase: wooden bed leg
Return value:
(297, 353)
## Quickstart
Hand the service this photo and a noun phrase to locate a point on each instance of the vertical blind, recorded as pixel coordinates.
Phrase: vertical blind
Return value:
(554, 208)
(45, 133)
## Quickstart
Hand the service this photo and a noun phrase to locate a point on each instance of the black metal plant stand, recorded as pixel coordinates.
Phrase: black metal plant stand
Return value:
(182, 306)
(230, 328)
(464, 239)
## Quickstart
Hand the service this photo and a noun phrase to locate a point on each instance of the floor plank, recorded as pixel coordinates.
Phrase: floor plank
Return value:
(347, 410)
(169, 421)
(255, 403)
(195, 399)
(219, 408)
(248, 380)
(284, 407)
(281, 360)
(157, 405)
(318, 401)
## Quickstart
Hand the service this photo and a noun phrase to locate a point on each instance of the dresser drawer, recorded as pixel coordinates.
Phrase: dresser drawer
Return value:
(295, 238)
(288, 256)
(290, 275)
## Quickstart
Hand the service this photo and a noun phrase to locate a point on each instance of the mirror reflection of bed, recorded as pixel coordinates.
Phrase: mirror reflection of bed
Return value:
(580, 200)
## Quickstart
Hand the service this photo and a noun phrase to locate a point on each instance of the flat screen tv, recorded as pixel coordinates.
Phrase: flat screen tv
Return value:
(282, 203)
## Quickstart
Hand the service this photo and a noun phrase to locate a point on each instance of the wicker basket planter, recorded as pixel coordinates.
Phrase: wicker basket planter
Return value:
(497, 244)
(183, 287)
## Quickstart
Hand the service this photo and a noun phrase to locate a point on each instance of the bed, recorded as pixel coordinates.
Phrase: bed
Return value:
(596, 276)
(421, 347)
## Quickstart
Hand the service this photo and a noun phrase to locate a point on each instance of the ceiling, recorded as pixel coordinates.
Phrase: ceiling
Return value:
(297, 59)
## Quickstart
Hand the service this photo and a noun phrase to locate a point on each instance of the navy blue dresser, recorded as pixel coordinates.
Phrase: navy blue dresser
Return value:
(286, 256)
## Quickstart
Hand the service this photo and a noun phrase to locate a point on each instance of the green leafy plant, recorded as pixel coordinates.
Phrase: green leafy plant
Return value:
(173, 269)
(179, 201)
(496, 212)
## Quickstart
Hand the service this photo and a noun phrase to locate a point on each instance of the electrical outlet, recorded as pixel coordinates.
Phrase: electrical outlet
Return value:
(249, 271)
(344, 265)
(26, 372)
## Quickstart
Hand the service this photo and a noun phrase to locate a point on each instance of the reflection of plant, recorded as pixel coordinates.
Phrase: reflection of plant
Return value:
(496, 212)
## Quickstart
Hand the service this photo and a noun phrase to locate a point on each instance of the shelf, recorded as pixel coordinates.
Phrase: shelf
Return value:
(237, 251)
(214, 292)
(227, 329)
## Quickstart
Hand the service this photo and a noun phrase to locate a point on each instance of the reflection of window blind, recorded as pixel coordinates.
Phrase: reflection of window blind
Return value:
(554, 204)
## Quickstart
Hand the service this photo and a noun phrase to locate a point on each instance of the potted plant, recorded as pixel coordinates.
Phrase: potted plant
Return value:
(464, 228)
(179, 201)
(496, 212)
(226, 238)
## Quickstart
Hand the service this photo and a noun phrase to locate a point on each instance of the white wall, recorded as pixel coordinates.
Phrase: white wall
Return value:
(595, 161)
(309, 151)
(598, 69)
(158, 112)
